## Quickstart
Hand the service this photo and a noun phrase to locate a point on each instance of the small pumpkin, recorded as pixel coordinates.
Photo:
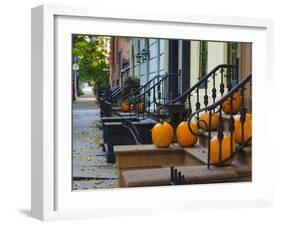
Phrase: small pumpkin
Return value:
(162, 134)
(125, 107)
(204, 121)
(140, 107)
(247, 129)
(184, 136)
(236, 100)
(215, 150)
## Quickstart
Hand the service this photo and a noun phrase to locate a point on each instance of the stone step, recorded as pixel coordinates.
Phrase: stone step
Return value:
(200, 153)
(203, 138)
(127, 114)
(193, 175)
(244, 157)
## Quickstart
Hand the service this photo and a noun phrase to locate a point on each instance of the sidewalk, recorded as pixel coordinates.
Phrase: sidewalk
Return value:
(90, 170)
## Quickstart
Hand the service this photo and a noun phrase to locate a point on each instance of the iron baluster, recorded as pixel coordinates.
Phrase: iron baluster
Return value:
(183, 179)
(172, 174)
(222, 83)
(176, 176)
(158, 92)
(231, 124)
(154, 97)
(197, 107)
(206, 94)
(209, 138)
(179, 178)
(220, 134)
(149, 100)
(214, 90)
(242, 114)
(198, 101)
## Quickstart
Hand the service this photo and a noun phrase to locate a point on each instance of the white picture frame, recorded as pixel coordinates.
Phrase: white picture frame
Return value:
(52, 197)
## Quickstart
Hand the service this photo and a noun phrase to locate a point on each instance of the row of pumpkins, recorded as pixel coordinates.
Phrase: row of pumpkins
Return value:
(226, 107)
(163, 134)
(125, 107)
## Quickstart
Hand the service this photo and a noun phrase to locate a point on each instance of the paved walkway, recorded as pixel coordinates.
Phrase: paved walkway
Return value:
(90, 170)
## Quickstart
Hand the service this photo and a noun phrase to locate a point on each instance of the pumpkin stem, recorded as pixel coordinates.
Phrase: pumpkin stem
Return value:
(161, 121)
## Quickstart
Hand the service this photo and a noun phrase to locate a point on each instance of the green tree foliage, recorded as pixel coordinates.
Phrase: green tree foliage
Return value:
(92, 59)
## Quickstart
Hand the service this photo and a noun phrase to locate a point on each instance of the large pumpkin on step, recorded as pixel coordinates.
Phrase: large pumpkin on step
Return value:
(215, 150)
(140, 107)
(184, 136)
(125, 107)
(162, 134)
(226, 106)
(204, 121)
(247, 129)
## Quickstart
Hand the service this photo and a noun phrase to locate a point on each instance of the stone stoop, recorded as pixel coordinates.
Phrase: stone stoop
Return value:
(148, 161)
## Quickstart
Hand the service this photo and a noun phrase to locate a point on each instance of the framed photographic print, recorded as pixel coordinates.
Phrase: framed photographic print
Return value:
(143, 113)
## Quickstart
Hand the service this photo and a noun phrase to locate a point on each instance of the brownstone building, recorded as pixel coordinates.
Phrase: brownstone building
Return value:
(119, 60)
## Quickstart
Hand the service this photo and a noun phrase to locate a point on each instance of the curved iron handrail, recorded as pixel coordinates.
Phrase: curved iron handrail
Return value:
(158, 83)
(240, 86)
(151, 95)
(224, 98)
(122, 88)
(143, 87)
(132, 129)
(116, 90)
(199, 83)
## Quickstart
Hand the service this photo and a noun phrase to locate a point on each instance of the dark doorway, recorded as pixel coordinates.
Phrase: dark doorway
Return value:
(185, 68)
(173, 68)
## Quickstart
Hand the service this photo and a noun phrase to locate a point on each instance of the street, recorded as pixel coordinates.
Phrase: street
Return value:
(90, 169)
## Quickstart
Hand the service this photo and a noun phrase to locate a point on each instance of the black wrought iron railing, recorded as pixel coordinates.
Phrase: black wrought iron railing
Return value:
(105, 108)
(155, 94)
(220, 151)
(110, 98)
(133, 131)
(117, 94)
(176, 177)
(204, 92)
(142, 88)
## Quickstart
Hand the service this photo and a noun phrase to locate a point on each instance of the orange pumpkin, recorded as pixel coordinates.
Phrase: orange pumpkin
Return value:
(140, 107)
(184, 137)
(125, 107)
(215, 150)
(204, 121)
(162, 134)
(247, 129)
(226, 107)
